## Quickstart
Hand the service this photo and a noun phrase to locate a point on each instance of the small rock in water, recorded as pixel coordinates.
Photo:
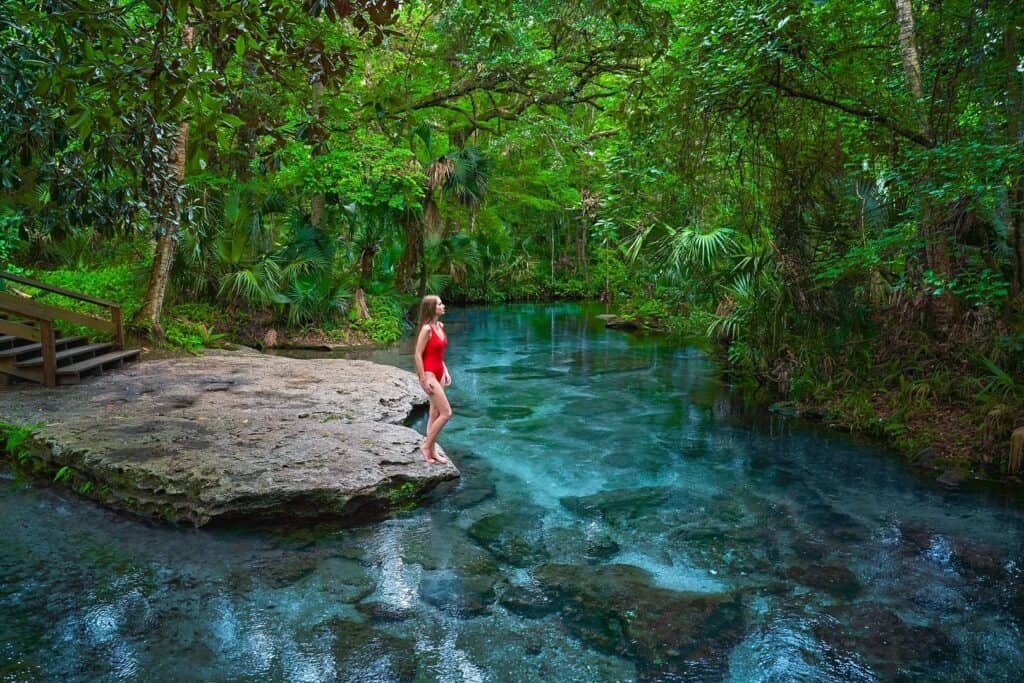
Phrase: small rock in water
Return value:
(465, 596)
(784, 408)
(363, 653)
(951, 478)
(513, 538)
(527, 601)
(384, 611)
(839, 582)
(616, 323)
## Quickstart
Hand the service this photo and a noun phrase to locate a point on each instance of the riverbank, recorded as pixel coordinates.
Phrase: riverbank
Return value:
(944, 419)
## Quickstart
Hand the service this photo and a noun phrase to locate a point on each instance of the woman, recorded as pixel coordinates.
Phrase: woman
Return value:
(433, 373)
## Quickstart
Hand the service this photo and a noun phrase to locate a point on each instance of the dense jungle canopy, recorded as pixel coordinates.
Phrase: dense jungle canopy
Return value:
(830, 192)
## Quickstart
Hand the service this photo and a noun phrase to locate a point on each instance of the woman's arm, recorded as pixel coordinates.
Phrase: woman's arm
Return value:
(421, 346)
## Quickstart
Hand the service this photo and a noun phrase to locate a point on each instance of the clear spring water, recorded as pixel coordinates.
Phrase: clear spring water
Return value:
(621, 516)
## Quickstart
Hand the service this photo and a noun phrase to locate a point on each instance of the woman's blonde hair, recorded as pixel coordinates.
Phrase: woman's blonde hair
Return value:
(428, 309)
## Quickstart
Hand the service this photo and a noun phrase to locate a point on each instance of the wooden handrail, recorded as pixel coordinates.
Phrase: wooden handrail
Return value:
(19, 330)
(46, 314)
(20, 279)
(45, 334)
(36, 308)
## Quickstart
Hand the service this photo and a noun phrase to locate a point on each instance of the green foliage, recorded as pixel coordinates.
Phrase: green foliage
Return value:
(192, 336)
(404, 496)
(373, 173)
(17, 440)
(10, 237)
(386, 323)
(1000, 383)
(198, 312)
(986, 288)
(123, 284)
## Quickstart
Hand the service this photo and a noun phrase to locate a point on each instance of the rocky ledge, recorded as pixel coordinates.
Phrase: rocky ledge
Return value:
(234, 436)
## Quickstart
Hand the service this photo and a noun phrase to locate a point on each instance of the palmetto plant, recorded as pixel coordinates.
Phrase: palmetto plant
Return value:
(686, 251)
(462, 174)
(312, 289)
(751, 318)
(457, 257)
(314, 298)
(228, 247)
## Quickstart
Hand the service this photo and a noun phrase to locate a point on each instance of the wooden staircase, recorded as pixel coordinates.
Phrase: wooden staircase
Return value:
(32, 349)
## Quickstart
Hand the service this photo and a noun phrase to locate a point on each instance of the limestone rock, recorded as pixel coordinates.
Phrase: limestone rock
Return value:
(238, 436)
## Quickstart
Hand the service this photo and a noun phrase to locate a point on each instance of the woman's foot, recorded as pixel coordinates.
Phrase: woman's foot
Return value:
(438, 458)
(428, 454)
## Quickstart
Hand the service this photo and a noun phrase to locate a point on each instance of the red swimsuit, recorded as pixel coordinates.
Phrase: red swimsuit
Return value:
(433, 354)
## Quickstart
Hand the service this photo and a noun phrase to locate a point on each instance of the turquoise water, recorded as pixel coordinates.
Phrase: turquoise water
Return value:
(621, 516)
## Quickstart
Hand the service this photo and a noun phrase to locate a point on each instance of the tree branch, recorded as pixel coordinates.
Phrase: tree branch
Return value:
(867, 114)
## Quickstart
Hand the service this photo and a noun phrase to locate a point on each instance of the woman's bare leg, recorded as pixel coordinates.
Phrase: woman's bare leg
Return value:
(431, 417)
(440, 412)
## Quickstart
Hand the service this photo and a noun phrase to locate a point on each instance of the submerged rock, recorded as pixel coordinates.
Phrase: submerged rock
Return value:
(838, 582)
(618, 609)
(890, 646)
(528, 601)
(475, 485)
(589, 543)
(363, 653)
(464, 596)
(237, 436)
(620, 505)
(385, 611)
(278, 572)
(512, 538)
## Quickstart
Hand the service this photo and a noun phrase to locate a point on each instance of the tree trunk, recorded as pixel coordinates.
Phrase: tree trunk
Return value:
(365, 276)
(408, 266)
(933, 233)
(421, 291)
(148, 316)
(316, 214)
(1014, 113)
(908, 48)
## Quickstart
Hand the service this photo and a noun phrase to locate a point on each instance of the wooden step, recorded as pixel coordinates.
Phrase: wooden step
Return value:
(7, 341)
(69, 353)
(30, 374)
(21, 350)
(36, 347)
(70, 374)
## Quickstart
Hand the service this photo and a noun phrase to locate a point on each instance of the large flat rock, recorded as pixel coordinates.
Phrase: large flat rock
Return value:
(237, 435)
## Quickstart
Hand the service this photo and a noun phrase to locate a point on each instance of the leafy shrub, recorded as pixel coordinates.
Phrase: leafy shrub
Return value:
(10, 238)
(15, 439)
(198, 312)
(191, 336)
(386, 323)
(123, 284)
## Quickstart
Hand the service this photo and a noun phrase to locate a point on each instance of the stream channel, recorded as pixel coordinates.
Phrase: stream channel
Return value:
(622, 515)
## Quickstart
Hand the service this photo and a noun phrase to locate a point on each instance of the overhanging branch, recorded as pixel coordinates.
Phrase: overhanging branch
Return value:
(867, 114)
